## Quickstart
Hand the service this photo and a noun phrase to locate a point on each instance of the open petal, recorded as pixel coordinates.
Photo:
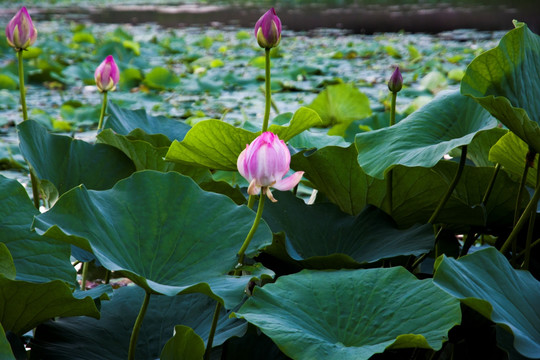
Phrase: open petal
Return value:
(290, 182)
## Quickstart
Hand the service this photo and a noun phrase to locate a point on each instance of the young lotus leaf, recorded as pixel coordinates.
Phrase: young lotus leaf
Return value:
(504, 81)
(71, 162)
(108, 337)
(5, 347)
(321, 236)
(37, 258)
(216, 145)
(424, 137)
(486, 282)
(124, 121)
(162, 230)
(339, 105)
(185, 344)
(351, 314)
(510, 152)
(24, 305)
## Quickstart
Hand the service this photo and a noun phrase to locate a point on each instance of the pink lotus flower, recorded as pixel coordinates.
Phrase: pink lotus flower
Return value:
(20, 31)
(264, 162)
(107, 75)
(268, 30)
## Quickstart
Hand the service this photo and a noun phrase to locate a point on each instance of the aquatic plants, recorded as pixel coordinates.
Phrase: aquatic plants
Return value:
(346, 265)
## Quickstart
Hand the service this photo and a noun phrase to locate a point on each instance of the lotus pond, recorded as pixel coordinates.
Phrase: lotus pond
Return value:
(411, 235)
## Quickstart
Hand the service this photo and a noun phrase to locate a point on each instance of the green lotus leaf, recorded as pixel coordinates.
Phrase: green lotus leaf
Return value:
(185, 344)
(424, 137)
(24, 305)
(351, 314)
(339, 105)
(108, 338)
(503, 81)
(216, 145)
(70, 162)
(321, 236)
(486, 282)
(124, 121)
(479, 149)
(37, 258)
(510, 151)
(7, 267)
(5, 347)
(160, 229)
(161, 78)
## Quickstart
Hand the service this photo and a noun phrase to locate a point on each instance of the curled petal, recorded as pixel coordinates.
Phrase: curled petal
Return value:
(253, 188)
(269, 194)
(289, 182)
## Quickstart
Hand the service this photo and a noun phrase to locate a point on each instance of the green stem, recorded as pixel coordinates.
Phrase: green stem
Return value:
(452, 186)
(267, 91)
(84, 276)
(251, 201)
(393, 109)
(210, 341)
(253, 229)
(137, 327)
(520, 192)
(21, 84)
(531, 206)
(35, 186)
(530, 230)
(390, 181)
(491, 184)
(469, 241)
(103, 110)
(107, 277)
(536, 242)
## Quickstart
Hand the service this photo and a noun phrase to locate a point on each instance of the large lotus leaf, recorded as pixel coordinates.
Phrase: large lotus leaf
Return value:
(108, 338)
(510, 151)
(339, 105)
(351, 314)
(479, 149)
(167, 234)
(216, 144)
(503, 80)
(486, 282)
(24, 305)
(124, 121)
(335, 172)
(424, 137)
(36, 258)
(321, 236)
(66, 163)
(185, 344)
(5, 347)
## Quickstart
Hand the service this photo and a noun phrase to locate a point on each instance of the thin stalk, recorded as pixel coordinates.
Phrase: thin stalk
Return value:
(393, 109)
(103, 110)
(107, 277)
(35, 186)
(252, 230)
(531, 206)
(471, 238)
(251, 201)
(491, 184)
(536, 242)
(390, 181)
(452, 186)
(137, 327)
(267, 91)
(84, 275)
(21, 84)
(210, 341)
(530, 230)
(520, 192)
(272, 102)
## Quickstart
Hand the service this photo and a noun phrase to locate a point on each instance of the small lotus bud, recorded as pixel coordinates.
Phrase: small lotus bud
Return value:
(396, 81)
(268, 30)
(264, 162)
(107, 75)
(20, 31)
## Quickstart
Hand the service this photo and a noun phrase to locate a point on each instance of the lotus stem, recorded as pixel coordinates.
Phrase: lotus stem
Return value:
(390, 181)
(84, 275)
(491, 184)
(522, 183)
(267, 91)
(137, 327)
(452, 186)
(103, 110)
(530, 230)
(210, 341)
(254, 227)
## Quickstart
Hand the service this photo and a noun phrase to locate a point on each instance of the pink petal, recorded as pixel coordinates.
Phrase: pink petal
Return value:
(289, 182)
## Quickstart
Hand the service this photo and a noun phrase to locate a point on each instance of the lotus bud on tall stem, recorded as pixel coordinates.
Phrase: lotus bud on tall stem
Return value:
(107, 76)
(394, 85)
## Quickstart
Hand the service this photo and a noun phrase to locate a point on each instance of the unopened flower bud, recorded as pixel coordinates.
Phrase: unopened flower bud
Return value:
(107, 75)
(268, 30)
(20, 31)
(396, 81)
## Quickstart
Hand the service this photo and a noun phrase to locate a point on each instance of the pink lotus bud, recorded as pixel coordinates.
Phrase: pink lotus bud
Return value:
(20, 31)
(107, 75)
(268, 30)
(396, 81)
(264, 162)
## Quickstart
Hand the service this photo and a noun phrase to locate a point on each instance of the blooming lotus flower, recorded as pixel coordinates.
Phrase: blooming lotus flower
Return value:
(396, 81)
(107, 75)
(268, 30)
(20, 31)
(264, 162)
